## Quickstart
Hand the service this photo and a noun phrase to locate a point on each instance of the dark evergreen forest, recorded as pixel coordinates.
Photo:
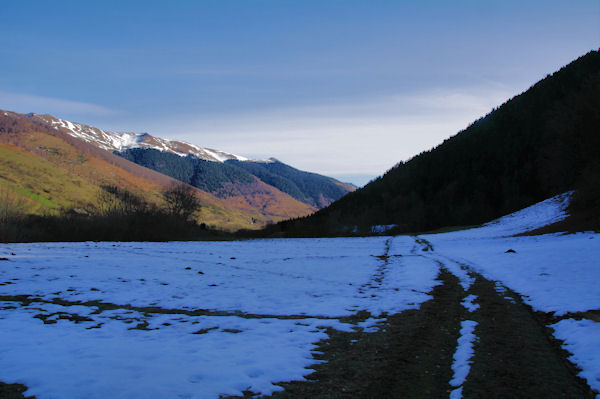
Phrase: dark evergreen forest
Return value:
(217, 177)
(206, 175)
(310, 188)
(540, 143)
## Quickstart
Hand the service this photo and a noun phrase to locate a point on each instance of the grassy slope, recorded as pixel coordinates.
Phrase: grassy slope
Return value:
(226, 181)
(48, 172)
(41, 185)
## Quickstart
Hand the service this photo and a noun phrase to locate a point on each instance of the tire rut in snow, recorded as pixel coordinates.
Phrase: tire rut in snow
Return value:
(515, 356)
(366, 290)
(26, 300)
(409, 357)
(421, 245)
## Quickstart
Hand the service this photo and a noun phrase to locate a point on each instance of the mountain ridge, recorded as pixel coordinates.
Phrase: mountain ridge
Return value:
(49, 171)
(299, 184)
(57, 144)
(120, 141)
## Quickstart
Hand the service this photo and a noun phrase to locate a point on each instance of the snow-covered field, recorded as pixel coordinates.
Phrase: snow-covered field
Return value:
(199, 320)
(214, 318)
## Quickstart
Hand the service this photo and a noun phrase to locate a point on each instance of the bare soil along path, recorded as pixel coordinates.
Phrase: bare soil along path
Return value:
(409, 357)
(516, 355)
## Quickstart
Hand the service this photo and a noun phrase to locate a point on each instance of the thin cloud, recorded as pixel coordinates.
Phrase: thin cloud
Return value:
(366, 136)
(24, 103)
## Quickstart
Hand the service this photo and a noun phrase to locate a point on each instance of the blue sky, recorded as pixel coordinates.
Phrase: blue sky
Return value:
(344, 88)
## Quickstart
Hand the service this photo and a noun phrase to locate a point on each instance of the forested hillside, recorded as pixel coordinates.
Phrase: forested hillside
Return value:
(224, 179)
(540, 143)
(206, 175)
(311, 188)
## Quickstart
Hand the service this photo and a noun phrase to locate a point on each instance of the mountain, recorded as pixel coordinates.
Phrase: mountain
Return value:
(540, 143)
(120, 141)
(47, 168)
(313, 189)
(236, 177)
(206, 168)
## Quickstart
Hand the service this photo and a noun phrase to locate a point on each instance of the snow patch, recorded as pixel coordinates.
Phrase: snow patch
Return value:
(500, 289)
(456, 393)
(462, 357)
(552, 273)
(582, 339)
(223, 156)
(533, 217)
(370, 325)
(170, 359)
(468, 303)
(382, 228)
(120, 141)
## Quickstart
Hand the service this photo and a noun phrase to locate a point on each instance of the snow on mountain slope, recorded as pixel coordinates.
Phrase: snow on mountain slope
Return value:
(119, 141)
(533, 217)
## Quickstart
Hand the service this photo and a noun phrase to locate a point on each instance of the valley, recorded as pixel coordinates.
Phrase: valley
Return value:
(170, 227)
(438, 315)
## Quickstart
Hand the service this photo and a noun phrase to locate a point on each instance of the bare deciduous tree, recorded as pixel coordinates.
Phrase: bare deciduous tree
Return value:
(181, 201)
(10, 206)
(117, 201)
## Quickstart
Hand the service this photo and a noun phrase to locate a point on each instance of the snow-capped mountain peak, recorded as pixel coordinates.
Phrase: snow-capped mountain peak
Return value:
(120, 141)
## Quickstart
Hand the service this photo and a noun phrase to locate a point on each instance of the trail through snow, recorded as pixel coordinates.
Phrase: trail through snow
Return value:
(203, 319)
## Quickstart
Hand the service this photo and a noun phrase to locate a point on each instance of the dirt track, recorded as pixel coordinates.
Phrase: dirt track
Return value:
(515, 356)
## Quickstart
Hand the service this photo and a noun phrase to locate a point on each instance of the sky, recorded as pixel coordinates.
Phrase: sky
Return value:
(344, 88)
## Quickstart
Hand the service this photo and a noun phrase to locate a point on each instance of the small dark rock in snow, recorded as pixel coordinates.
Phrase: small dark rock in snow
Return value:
(233, 257)
(511, 251)
(200, 272)
(232, 330)
(188, 268)
(4, 259)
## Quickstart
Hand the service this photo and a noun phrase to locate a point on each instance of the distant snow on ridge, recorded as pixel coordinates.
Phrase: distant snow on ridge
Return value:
(121, 141)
